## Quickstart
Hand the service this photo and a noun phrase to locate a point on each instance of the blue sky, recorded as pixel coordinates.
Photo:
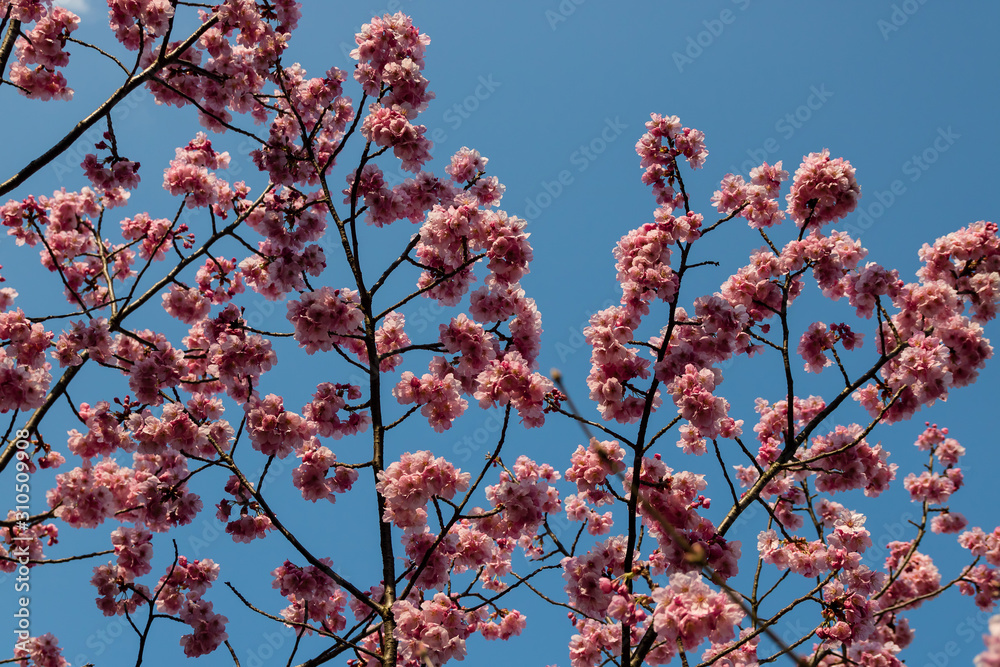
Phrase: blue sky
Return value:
(555, 94)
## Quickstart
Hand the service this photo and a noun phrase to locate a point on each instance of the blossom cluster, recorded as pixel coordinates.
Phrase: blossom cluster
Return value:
(312, 594)
(43, 46)
(657, 584)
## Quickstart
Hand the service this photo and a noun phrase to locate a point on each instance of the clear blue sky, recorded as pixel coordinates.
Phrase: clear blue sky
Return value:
(550, 90)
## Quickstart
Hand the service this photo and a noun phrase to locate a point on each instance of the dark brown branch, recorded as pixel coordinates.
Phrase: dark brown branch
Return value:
(127, 89)
(8, 44)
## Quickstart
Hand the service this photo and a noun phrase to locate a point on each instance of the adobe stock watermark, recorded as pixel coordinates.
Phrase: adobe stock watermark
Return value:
(483, 439)
(575, 339)
(875, 555)
(562, 12)
(454, 116)
(696, 45)
(913, 169)
(581, 158)
(898, 17)
(267, 649)
(19, 550)
(970, 629)
(785, 126)
(101, 641)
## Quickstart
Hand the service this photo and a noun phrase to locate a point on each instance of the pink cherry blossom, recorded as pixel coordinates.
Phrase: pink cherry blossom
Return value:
(438, 392)
(325, 317)
(688, 612)
(823, 190)
(991, 656)
(43, 651)
(408, 484)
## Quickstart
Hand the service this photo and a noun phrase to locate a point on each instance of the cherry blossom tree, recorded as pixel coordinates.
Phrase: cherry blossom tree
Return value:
(177, 413)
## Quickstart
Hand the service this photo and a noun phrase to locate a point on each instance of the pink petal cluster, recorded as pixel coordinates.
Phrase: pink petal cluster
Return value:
(208, 629)
(474, 346)
(178, 429)
(154, 237)
(583, 575)
(745, 654)
(672, 499)
(714, 335)
(409, 484)
(688, 612)
(590, 468)
(410, 199)
(512, 623)
(94, 337)
(186, 304)
(112, 180)
(855, 465)
(152, 365)
(823, 190)
(658, 150)
(814, 342)
(450, 236)
(979, 543)
(189, 175)
(311, 476)
(273, 430)
(864, 286)
(525, 497)
(87, 495)
(390, 337)
(692, 392)
(433, 632)
(771, 427)
(45, 43)
(312, 594)
(24, 373)
(614, 364)
(21, 539)
(969, 261)
(221, 349)
(105, 435)
(327, 402)
(991, 656)
(756, 201)
(42, 651)
(313, 107)
(920, 577)
(982, 582)
(252, 523)
(134, 549)
(389, 126)
(184, 582)
(45, 47)
(159, 496)
(754, 289)
(25, 11)
(118, 593)
(643, 257)
(439, 393)
(133, 19)
(931, 487)
(807, 558)
(509, 379)
(227, 279)
(390, 53)
(466, 164)
(325, 317)
(7, 296)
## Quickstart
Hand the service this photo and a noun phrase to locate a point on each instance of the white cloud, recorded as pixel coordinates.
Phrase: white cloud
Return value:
(75, 6)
